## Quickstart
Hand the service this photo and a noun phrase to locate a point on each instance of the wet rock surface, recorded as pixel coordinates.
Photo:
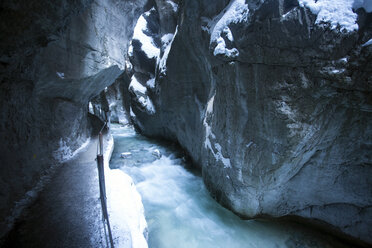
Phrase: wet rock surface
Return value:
(278, 118)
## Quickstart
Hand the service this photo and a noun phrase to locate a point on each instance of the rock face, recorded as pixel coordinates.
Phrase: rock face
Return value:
(55, 57)
(109, 104)
(272, 101)
(273, 104)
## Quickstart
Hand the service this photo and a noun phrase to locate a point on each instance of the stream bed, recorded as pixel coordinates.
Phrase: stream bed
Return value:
(181, 213)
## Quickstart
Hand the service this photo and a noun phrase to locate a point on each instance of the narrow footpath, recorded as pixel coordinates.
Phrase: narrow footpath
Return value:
(67, 213)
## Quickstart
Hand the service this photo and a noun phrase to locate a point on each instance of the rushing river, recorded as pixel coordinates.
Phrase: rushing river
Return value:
(181, 213)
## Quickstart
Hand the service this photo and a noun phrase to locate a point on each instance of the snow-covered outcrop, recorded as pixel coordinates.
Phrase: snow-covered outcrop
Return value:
(270, 99)
(143, 34)
(337, 13)
(218, 27)
(150, 46)
(141, 96)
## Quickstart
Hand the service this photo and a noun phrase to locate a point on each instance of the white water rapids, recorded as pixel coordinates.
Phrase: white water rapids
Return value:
(181, 213)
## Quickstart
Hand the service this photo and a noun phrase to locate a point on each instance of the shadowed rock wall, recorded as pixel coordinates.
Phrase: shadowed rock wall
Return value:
(278, 116)
(55, 57)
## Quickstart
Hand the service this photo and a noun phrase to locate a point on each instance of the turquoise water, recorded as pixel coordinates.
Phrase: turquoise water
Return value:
(179, 210)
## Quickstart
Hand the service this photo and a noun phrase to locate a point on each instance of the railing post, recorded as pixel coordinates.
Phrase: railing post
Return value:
(100, 143)
(102, 186)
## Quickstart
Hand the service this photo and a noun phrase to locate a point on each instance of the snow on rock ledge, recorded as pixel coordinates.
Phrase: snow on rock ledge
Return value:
(141, 33)
(148, 53)
(235, 12)
(167, 41)
(337, 13)
(141, 96)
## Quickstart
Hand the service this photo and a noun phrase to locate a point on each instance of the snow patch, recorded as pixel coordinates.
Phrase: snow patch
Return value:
(235, 12)
(173, 4)
(125, 154)
(368, 43)
(131, 113)
(151, 83)
(338, 12)
(60, 75)
(228, 33)
(287, 14)
(285, 109)
(146, 102)
(90, 107)
(128, 64)
(337, 71)
(221, 49)
(65, 153)
(147, 43)
(130, 49)
(218, 155)
(210, 105)
(124, 205)
(140, 92)
(249, 144)
(240, 175)
(167, 41)
(208, 129)
(136, 86)
(209, 134)
(295, 126)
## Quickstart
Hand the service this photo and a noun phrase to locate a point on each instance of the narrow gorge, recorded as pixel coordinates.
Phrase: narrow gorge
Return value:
(227, 123)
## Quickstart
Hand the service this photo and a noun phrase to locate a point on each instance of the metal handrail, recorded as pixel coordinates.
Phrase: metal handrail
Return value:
(102, 186)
